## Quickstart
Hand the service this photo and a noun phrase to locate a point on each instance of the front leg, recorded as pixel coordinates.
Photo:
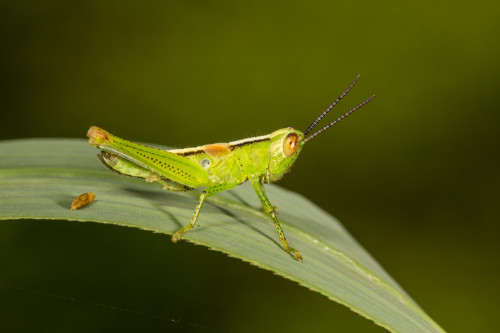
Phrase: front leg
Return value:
(206, 193)
(266, 204)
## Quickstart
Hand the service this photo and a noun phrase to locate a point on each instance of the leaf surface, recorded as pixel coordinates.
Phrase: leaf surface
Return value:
(40, 177)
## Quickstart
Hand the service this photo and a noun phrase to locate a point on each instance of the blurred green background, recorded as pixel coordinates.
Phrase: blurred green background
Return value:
(413, 176)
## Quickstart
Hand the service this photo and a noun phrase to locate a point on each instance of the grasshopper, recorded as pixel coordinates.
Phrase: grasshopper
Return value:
(215, 167)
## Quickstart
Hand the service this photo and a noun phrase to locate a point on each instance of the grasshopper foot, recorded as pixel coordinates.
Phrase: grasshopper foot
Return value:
(176, 237)
(295, 254)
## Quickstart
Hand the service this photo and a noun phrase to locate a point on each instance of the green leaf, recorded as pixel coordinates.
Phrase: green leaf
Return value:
(39, 178)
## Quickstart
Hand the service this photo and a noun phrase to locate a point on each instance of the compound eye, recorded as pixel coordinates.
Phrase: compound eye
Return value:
(291, 144)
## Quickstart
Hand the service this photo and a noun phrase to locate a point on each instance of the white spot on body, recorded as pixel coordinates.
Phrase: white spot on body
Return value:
(205, 163)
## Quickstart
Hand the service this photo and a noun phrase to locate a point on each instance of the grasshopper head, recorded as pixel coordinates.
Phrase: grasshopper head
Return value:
(286, 144)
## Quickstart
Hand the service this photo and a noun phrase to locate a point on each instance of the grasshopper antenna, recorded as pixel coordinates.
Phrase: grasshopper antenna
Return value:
(330, 107)
(339, 118)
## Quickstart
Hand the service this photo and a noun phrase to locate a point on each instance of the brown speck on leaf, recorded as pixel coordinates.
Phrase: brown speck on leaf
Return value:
(82, 200)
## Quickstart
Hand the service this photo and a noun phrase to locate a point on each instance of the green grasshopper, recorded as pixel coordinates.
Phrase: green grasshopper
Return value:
(216, 167)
